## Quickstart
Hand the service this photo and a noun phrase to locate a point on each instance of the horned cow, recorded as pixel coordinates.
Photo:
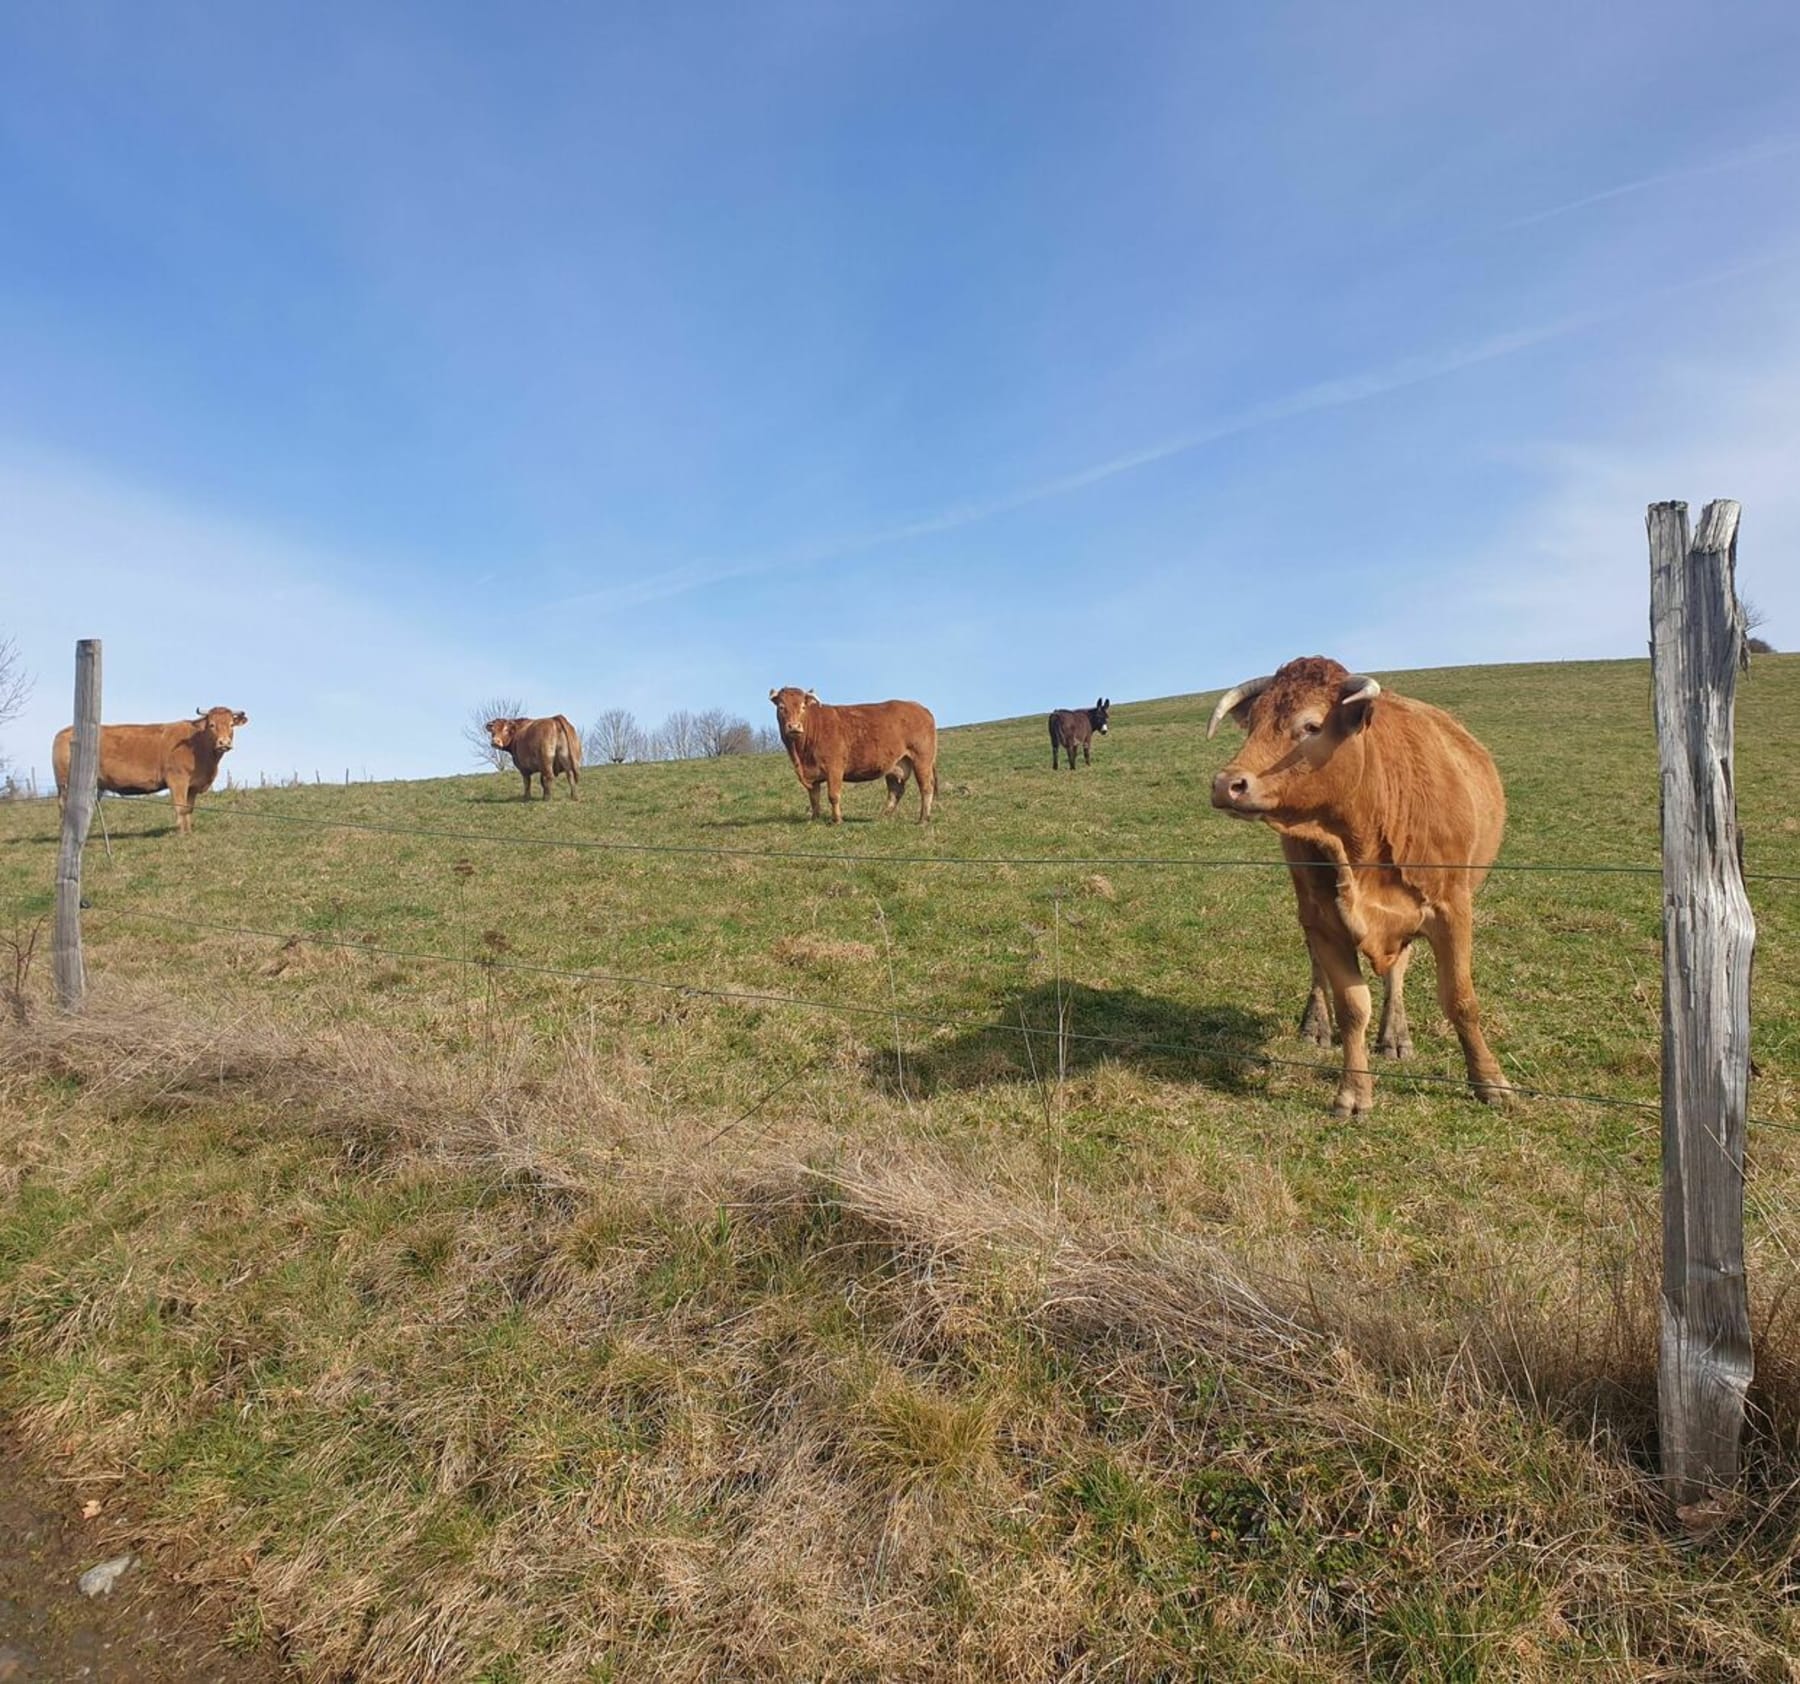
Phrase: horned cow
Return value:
(182, 757)
(832, 746)
(540, 748)
(1390, 814)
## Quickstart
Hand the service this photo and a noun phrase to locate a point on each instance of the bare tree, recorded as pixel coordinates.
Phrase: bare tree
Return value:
(15, 684)
(679, 737)
(765, 740)
(475, 731)
(615, 736)
(1754, 620)
(723, 733)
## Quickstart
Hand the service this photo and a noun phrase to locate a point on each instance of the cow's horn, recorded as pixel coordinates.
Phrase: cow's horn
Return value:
(1240, 693)
(1358, 688)
(774, 695)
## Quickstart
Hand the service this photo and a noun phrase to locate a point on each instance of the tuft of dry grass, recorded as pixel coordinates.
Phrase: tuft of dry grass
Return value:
(498, 1366)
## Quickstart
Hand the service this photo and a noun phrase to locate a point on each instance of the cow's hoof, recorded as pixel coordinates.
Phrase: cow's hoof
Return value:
(1395, 1046)
(1350, 1103)
(1316, 1027)
(1494, 1093)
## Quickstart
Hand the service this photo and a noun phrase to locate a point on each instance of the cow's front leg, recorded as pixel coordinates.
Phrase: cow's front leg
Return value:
(896, 787)
(812, 796)
(1394, 1039)
(1449, 932)
(527, 795)
(1343, 969)
(834, 790)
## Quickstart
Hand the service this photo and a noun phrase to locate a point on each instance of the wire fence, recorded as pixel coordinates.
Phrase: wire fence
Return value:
(607, 845)
(1215, 1050)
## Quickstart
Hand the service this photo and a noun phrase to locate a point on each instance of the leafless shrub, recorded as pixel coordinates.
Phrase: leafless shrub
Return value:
(721, 733)
(617, 737)
(678, 737)
(16, 954)
(15, 685)
(475, 731)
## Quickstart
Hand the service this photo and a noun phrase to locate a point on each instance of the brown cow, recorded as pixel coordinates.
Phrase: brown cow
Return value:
(182, 758)
(1074, 728)
(540, 748)
(1390, 815)
(833, 746)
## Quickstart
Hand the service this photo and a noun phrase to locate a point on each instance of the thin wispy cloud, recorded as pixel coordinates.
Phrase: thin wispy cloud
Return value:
(1775, 147)
(1338, 393)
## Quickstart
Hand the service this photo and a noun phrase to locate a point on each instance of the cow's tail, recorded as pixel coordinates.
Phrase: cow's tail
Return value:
(571, 740)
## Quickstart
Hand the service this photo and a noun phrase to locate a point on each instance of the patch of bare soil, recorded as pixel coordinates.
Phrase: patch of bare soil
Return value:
(145, 1630)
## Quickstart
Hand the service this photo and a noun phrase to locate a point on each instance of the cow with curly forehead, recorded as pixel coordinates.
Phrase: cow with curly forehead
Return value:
(1390, 814)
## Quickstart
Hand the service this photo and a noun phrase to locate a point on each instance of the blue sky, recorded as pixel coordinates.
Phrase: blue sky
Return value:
(357, 362)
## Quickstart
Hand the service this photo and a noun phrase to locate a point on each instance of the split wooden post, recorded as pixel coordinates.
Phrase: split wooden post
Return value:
(1697, 647)
(80, 797)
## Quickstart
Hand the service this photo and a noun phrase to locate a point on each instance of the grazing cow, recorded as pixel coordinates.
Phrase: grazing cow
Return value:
(833, 746)
(182, 758)
(1074, 728)
(1390, 815)
(540, 748)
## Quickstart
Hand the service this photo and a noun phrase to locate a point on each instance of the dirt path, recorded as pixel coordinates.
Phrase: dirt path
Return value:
(144, 1631)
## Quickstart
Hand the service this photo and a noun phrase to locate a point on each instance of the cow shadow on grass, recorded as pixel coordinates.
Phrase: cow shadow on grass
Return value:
(1215, 1045)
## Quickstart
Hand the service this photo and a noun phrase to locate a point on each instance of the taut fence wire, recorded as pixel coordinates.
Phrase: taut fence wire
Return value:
(1221, 1051)
(818, 856)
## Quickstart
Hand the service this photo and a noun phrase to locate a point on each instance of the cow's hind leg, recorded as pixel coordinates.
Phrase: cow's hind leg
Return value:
(926, 772)
(574, 777)
(1449, 932)
(1315, 1021)
(1394, 1040)
(1343, 969)
(527, 795)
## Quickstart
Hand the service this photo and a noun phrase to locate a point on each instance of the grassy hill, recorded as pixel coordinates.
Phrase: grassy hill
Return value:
(481, 1320)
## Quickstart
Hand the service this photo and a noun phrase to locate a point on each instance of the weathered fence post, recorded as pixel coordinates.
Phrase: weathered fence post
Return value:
(66, 965)
(1697, 646)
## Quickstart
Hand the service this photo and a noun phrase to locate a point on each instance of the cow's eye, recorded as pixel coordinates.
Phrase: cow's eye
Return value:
(1310, 728)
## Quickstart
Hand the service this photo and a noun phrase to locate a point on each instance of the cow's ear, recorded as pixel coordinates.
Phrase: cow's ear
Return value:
(774, 695)
(240, 719)
(812, 695)
(1356, 702)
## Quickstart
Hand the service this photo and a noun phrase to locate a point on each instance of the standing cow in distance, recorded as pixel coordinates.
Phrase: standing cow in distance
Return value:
(541, 749)
(182, 758)
(1074, 728)
(1390, 815)
(833, 746)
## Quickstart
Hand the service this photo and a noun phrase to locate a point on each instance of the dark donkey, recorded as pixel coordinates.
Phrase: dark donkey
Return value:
(1074, 728)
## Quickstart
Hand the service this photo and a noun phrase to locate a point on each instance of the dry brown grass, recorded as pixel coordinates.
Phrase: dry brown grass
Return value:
(494, 1367)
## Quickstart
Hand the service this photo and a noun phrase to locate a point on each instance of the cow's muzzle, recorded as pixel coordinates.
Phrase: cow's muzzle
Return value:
(1234, 791)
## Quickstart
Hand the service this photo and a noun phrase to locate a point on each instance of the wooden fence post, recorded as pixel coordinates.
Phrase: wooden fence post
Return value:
(1697, 646)
(78, 813)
